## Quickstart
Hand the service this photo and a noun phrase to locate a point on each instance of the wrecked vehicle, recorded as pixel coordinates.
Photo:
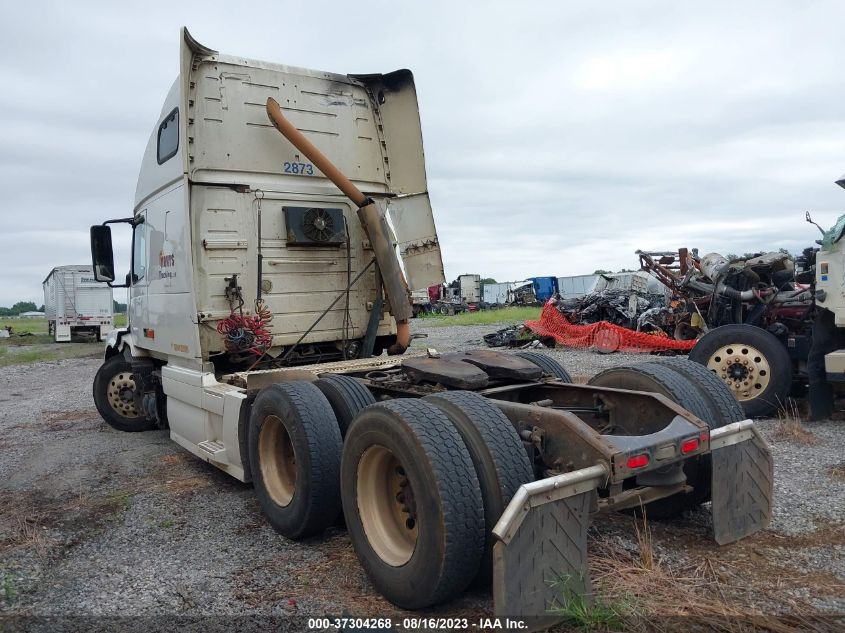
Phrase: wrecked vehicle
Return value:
(625, 299)
(516, 336)
(626, 308)
(752, 315)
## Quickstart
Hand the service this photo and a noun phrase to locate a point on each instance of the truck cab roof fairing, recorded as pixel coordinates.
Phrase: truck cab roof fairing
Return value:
(154, 177)
(368, 124)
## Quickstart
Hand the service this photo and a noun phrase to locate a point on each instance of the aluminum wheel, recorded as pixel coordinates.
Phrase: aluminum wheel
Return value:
(743, 368)
(277, 460)
(386, 506)
(121, 394)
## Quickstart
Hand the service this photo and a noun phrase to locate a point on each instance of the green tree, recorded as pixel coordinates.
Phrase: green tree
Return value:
(118, 307)
(488, 280)
(600, 271)
(23, 306)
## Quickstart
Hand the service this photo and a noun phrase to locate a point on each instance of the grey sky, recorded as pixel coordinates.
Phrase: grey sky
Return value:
(559, 137)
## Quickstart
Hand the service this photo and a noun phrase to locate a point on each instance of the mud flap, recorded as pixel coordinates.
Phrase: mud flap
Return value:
(742, 481)
(540, 554)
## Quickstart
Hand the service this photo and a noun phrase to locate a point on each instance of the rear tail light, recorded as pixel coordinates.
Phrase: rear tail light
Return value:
(637, 461)
(688, 446)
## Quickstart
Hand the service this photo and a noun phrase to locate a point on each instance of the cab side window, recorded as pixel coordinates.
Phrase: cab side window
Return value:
(168, 137)
(139, 253)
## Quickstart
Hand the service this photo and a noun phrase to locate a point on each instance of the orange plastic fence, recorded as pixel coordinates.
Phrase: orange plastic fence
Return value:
(603, 336)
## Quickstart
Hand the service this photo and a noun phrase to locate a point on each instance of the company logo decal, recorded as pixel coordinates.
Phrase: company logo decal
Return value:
(166, 261)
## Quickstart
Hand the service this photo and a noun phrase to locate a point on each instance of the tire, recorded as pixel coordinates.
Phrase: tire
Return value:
(763, 357)
(723, 406)
(652, 377)
(500, 460)
(549, 365)
(420, 552)
(114, 387)
(346, 396)
(294, 449)
(444, 310)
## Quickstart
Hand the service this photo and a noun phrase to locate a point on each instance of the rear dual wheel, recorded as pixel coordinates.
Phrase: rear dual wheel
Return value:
(548, 364)
(497, 453)
(294, 447)
(422, 482)
(412, 502)
(684, 383)
(346, 396)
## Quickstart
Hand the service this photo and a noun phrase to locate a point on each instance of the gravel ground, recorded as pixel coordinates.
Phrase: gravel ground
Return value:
(98, 522)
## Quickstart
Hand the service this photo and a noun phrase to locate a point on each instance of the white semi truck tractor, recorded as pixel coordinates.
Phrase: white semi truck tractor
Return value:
(826, 358)
(270, 273)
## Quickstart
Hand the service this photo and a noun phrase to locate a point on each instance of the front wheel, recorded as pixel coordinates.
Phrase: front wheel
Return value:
(114, 396)
(752, 362)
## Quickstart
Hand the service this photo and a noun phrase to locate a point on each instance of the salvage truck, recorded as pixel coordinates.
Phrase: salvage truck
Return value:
(270, 274)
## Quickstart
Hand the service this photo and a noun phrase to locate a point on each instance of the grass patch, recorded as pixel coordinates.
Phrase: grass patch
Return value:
(26, 341)
(837, 472)
(482, 317)
(790, 426)
(39, 325)
(28, 356)
(591, 615)
(29, 326)
(9, 589)
(642, 530)
(36, 351)
(120, 500)
(635, 587)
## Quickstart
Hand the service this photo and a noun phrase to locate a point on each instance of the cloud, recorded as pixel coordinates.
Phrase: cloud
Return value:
(559, 137)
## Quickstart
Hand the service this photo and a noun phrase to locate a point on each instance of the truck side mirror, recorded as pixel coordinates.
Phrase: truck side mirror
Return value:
(102, 255)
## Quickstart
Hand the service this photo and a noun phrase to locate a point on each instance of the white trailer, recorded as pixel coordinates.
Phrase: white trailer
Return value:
(576, 286)
(496, 293)
(75, 302)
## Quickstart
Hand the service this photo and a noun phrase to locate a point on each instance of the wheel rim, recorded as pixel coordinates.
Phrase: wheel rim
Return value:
(121, 394)
(386, 505)
(277, 460)
(743, 368)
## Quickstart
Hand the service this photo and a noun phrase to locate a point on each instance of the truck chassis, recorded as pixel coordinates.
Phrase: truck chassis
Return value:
(475, 465)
